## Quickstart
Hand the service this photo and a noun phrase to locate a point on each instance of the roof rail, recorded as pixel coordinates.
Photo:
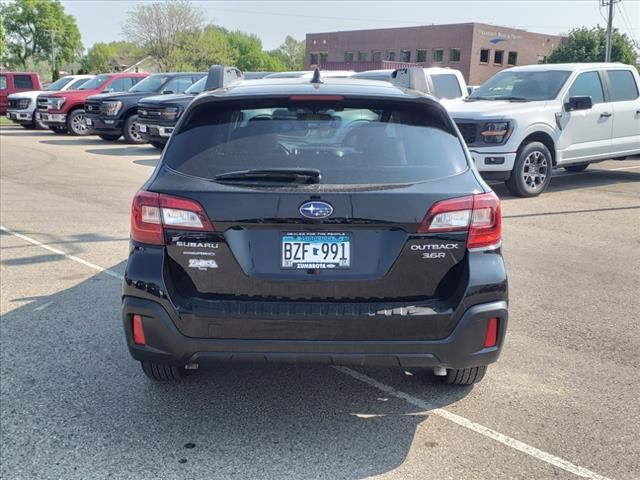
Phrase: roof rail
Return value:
(410, 77)
(221, 76)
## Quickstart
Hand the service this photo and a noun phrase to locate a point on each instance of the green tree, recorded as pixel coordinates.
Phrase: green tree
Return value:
(99, 56)
(249, 56)
(198, 50)
(1, 40)
(292, 53)
(34, 27)
(155, 27)
(588, 45)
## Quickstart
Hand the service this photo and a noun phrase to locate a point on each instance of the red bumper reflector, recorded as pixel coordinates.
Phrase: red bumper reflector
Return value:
(491, 337)
(138, 331)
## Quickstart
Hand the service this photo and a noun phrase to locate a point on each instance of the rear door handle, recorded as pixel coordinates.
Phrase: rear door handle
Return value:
(605, 115)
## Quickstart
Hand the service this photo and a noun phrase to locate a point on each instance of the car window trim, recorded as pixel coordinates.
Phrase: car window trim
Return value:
(603, 86)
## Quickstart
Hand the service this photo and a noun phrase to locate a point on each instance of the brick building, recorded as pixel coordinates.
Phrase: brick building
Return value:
(476, 49)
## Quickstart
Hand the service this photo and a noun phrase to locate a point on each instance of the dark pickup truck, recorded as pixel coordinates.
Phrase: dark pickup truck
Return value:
(158, 115)
(111, 116)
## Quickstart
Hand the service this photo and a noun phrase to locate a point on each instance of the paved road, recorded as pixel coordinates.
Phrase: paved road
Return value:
(561, 403)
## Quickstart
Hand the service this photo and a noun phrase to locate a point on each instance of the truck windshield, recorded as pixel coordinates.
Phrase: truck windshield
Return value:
(357, 144)
(523, 86)
(94, 83)
(152, 83)
(197, 87)
(58, 84)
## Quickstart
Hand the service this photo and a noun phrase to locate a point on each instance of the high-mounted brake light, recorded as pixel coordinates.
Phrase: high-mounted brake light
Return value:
(479, 214)
(151, 213)
(316, 98)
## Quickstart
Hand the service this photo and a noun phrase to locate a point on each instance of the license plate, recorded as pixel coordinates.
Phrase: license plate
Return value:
(315, 250)
(142, 128)
(88, 121)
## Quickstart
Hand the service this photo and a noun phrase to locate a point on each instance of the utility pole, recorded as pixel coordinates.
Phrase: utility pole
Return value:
(52, 36)
(610, 4)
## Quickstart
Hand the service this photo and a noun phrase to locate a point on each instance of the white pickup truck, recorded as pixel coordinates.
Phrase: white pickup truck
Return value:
(525, 121)
(22, 106)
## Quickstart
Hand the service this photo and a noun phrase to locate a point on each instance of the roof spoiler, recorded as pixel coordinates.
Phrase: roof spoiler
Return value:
(221, 76)
(410, 77)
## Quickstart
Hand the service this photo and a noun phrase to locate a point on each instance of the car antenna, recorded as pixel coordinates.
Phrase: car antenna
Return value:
(316, 78)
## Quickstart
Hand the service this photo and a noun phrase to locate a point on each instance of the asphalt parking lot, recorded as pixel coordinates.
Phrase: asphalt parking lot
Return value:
(562, 402)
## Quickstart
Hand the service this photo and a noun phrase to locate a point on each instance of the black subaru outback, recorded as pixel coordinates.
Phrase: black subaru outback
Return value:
(338, 221)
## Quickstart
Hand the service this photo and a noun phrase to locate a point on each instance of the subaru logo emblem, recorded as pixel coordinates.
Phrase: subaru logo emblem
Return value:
(316, 210)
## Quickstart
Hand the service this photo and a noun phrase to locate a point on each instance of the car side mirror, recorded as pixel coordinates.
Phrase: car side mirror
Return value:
(578, 103)
(108, 90)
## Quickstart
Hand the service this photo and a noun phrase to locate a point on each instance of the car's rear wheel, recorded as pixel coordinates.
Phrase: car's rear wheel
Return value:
(130, 133)
(158, 145)
(576, 168)
(109, 138)
(163, 373)
(464, 376)
(58, 130)
(531, 172)
(76, 125)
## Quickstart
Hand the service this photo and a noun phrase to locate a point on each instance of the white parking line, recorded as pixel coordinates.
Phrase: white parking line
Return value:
(64, 254)
(452, 417)
(476, 427)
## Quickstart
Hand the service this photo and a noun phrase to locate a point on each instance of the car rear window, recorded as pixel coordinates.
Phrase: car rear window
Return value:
(446, 86)
(383, 144)
(23, 82)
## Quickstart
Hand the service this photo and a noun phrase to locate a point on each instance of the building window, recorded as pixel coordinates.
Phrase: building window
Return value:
(405, 55)
(376, 56)
(348, 56)
(438, 55)
(484, 55)
(421, 56)
(313, 59)
(324, 57)
(454, 55)
(391, 56)
(498, 57)
(512, 59)
(362, 56)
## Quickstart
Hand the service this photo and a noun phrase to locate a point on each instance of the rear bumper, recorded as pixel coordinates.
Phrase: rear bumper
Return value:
(463, 347)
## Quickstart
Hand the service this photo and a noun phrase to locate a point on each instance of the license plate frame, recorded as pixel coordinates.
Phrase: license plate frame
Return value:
(312, 259)
(142, 128)
(88, 122)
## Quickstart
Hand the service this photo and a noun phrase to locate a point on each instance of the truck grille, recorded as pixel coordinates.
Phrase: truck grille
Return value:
(468, 131)
(43, 104)
(150, 113)
(13, 103)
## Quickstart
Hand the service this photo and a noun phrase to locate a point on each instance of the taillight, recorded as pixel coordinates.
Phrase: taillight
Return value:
(137, 330)
(152, 212)
(491, 335)
(479, 214)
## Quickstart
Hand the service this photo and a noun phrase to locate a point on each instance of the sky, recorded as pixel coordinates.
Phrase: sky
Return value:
(100, 20)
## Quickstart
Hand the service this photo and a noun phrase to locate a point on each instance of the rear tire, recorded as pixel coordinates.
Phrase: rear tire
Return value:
(163, 373)
(158, 145)
(464, 376)
(531, 172)
(130, 131)
(109, 138)
(576, 168)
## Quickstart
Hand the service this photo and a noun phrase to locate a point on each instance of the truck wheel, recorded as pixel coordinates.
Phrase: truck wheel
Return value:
(158, 145)
(531, 172)
(39, 124)
(76, 125)
(130, 133)
(109, 138)
(163, 373)
(576, 168)
(464, 376)
(58, 130)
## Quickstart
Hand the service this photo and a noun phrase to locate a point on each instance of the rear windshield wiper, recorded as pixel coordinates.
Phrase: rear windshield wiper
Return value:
(272, 175)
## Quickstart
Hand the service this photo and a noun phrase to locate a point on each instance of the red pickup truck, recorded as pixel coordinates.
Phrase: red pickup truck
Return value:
(63, 112)
(12, 82)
